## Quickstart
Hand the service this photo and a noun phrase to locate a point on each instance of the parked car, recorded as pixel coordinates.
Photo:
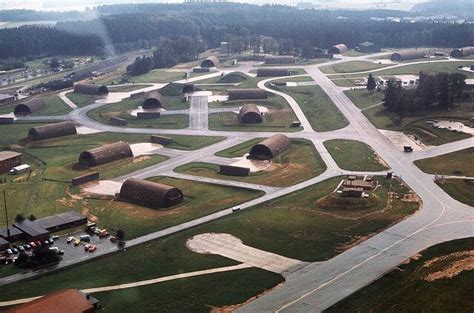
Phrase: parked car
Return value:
(55, 237)
(70, 239)
(113, 239)
(21, 249)
(77, 242)
(85, 238)
(92, 248)
(61, 252)
(15, 251)
(33, 245)
(86, 247)
(103, 233)
(9, 251)
(27, 247)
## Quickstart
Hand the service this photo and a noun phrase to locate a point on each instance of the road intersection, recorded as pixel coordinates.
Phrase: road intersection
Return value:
(318, 285)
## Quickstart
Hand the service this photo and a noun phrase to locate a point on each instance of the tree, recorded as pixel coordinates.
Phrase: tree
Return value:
(23, 258)
(120, 234)
(307, 51)
(54, 63)
(392, 95)
(32, 217)
(19, 218)
(371, 85)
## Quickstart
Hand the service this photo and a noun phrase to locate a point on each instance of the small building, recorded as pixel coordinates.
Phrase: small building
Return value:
(32, 230)
(472, 67)
(54, 130)
(8, 160)
(6, 99)
(4, 244)
(150, 194)
(28, 107)
(105, 154)
(76, 181)
(4, 120)
(462, 52)
(250, 114)
(408, 55)
(358, 183)
(352, 192)
(91, 89)
(148, 115)
(272, 72)
(338, 49)
(211, 61)
(61, 221)
(270, 147)
(324, 55)
(234, 170)
(201, 70)
(162, 140)
(117, 121)
(246, 94)
(153, 100)
(69, 300)
(279, 59)
(369, 47)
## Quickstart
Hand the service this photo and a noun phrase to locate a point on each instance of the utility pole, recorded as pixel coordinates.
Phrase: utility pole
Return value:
(6, 212)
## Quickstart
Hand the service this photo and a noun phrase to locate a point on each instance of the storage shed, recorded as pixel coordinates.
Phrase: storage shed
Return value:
(105, 154)
(408, 55)
(32, 230)
(28, 107)
(462, 52)
(250, 114)
(279, 59)
(150, 194)
(272, 72)
(91, 89)
(338, 49)
(61, 221)
(245, 94)
(270, 147)
(8, 160)
(153, 100)
(211, 61)
(52, 131)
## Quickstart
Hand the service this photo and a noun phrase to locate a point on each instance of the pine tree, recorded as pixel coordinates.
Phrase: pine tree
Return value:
(371, 85)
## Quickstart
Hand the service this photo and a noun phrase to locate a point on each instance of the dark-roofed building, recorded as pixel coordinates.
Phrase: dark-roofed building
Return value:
(150, 194)
(187, 88)
(272, 72)
(462, 52)
(369, 47)
(250, 114)
(28, 107)
(32, 230)
(358, 183)
(69, 300)
(105, 154)
(338, 49)
(270, 147)
(245, 94)
(279, 59)
(61, 221)
(234, 170)
(153, 100)
(14, 235)
(52, 131)
(91, 89)
(4, 244)
(6, 99)
(211, 61)
(9, 159)
(408, 55)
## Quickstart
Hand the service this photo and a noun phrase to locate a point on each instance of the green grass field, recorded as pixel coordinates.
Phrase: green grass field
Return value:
(127, 88)
(460, 189)
(409, 287)
(53, 105)
(293, 166)
(82, 100)
(158, 76)
(460, 163)
(363, 99)
(321, 112)
(159, 258)
(351, 67)
(354, 155)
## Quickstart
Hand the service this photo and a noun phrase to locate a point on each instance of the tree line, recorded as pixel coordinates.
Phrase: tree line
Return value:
(434, 91)
(271, 28)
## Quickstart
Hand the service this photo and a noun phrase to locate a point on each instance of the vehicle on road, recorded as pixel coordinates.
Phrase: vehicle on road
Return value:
(236, 208)
(20, 169)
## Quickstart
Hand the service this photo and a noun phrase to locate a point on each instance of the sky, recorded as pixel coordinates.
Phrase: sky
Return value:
(64, 5)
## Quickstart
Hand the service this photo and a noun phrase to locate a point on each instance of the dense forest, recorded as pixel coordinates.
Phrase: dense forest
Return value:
(279, 29)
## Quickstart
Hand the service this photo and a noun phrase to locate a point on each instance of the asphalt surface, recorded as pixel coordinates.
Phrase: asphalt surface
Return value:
(319, 285)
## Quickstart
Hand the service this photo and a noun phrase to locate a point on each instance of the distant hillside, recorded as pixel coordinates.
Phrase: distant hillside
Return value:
(460, 8)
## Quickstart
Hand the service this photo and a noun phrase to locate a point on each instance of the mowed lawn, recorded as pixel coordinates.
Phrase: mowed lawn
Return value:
(301, 162)
(459, 163)
(82, 100)
(460, 189)
(411, 288)
(158, 258)
(351, 67)
(364, 99)
(53, 105)
(322, 113)
(354, 155)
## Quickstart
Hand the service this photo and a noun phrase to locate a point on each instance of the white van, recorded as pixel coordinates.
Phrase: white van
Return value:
(20, 169)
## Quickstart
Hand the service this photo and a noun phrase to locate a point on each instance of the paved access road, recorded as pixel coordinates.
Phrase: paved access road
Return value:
(319, 285)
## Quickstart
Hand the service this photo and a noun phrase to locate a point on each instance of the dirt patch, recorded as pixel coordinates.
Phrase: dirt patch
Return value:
(234, 307)
(141, 159)
(456, 263)
(91, 217)
(381, 161)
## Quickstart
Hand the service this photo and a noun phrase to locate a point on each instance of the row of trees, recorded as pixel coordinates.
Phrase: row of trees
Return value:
(440, 91)
(169, 53)
(272, 29)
